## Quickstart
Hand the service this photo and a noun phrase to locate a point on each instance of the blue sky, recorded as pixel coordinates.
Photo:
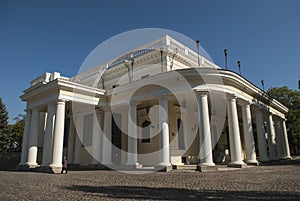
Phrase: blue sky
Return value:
(47, 36)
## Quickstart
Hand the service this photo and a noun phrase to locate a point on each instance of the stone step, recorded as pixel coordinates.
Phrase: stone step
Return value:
(185, 167)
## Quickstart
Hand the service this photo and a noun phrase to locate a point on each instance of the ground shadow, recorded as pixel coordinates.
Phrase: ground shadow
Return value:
(294, 161)
(153, 193)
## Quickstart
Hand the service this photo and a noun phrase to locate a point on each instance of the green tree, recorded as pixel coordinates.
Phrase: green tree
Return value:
(16, 132)
(291, 99)
(4, 146)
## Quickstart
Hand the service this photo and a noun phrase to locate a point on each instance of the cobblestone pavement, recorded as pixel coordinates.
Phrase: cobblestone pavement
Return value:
(267, 182)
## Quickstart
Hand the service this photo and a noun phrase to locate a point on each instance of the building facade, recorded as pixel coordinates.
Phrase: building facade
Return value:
(160, 106)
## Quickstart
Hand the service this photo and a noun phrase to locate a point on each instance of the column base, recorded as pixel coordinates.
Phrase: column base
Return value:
(237, 164)
(56, 169)
(163, 167)
(252, 162)
(286, 158)
(206, 167)
(32, 165)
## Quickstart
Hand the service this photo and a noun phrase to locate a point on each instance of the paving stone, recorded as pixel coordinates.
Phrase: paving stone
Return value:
(269, 182)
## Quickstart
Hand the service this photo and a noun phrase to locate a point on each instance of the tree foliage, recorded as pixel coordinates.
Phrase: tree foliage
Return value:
(10, 135)
(16, 132)
(291, 99)
(3, 127)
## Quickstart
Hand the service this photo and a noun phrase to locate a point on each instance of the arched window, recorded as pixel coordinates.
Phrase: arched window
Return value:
(180, 130)
(146, 131)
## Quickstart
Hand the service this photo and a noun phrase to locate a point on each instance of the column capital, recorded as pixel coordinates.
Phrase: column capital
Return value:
(231, 97)
(202, 92)
(267, 113)
(61, 101)
(270, 112)
(244, 103)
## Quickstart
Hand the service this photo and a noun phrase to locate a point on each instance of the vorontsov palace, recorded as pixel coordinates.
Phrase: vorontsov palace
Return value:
(160, 106)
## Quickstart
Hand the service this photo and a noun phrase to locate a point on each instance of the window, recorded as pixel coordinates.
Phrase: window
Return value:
(180, 130)
(146, 132)
(88, 130)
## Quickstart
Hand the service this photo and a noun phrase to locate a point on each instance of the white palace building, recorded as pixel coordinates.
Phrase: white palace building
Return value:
(161, 106)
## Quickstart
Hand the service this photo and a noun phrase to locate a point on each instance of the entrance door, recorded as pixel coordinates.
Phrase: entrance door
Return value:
(116, 139)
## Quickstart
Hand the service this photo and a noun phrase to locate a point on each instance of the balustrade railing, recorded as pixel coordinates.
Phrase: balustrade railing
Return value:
(47, 77)
(166, 43)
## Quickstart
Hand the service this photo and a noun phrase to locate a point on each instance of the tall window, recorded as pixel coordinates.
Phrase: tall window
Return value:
(88, 130)
(146, 132)
(180, 130)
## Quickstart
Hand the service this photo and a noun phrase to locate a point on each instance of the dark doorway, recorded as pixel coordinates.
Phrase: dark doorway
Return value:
(116, 139)
(180, 131)
(146, 132)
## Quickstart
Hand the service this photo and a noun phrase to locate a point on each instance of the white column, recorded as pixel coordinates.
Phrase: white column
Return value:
(248, 135)
(279, 138)
(271, 138)
(96, 137)
(71, 140)
(286, 148)
(79, 133)
(164, 132)
(24, 152)
(234, 132)
(107, 144)
(33, 138)
(48, 138)
(58, 135)
(132, 136)
(261, 139)
(206, 158)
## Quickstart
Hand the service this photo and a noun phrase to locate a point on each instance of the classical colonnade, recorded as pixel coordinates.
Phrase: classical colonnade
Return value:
(276, 148)
(53, 137)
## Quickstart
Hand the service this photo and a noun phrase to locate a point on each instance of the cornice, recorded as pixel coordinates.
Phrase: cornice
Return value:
(59, 84)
